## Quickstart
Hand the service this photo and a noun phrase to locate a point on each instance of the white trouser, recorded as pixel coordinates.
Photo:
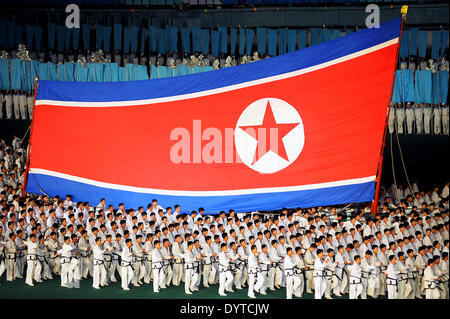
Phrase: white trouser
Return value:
(237, 278)
(8, 108)
(225, 281)
(148, 270)
(271, 278)
(391, 125)
(206, 274)
(20, 264)
(320, 285)
(252, 286)
(126, 274)
(190, 279)
(158, 277)
(139, 272)
(99, 277)
(167, 276)
(177, 272)
(427, 124)
(23, 111)
(309, 280)
(16, 110)
(10, 265)
(419, 125)
(437, 125)
(292, 285)
(280, 280)
(392, 291)
(110, 267)
(31, 269)
(75, 271)
(66, 274)
(30, 110)
(409, 126)
(373, 286)
(212, 274)
(84, 266)
(412, 294)
(364, 282)
(265, 278)
(432, 293)
(355, 289)
(301, 287)
(401, 289)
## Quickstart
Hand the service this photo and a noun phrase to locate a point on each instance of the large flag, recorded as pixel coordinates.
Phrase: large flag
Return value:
(298, 130)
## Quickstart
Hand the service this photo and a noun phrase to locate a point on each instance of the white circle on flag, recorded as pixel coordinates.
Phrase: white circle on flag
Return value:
(292, 140)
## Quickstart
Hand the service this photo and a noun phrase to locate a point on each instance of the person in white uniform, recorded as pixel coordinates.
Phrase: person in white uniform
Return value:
(409, 118)
(99, 274)
(427, 113)
(157, 265)
(437, 114)
(392, 274)
(445, 119)
(32, 250)
(189, 273)
(354, 274)
(126, 264)
(431, 281)
(320, 283)
(400, 116)
(418, 114)
(292, 279)
(254, 274)
(225, 275)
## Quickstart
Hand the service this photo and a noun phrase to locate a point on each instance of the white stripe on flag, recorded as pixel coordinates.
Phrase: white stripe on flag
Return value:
(222, 89)
(203, 193)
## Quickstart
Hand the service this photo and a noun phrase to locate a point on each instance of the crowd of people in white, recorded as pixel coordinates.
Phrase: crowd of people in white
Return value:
(400, 251)
(419, 119)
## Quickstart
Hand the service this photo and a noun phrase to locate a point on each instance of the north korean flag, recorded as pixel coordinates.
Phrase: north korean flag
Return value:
(301, 129)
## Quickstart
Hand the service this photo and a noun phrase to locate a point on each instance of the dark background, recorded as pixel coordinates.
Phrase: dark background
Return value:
(426, 157)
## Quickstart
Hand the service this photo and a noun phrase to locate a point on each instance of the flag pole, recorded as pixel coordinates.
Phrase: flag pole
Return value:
(27, 168)
(404, 11)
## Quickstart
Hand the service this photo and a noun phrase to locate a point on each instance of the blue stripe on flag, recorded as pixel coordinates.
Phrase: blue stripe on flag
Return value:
(310, 56)
(268, 201)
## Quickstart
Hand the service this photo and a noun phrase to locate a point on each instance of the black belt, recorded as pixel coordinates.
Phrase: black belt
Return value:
(264, 267)
(43, 259)
(364, 274)
(189, 266)
(127, 264)
(99, 262)
(252, 271)
(289, 272)
(392, 279)
(107, 258)
(155, 267)
(32, 257)
(321, 275)
(9, 257)
(116, 255)
(224, 268)
(352, 281)
(66, 260)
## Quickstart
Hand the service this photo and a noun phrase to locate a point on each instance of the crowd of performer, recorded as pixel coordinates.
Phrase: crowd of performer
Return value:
(400, 252)
(424, 118)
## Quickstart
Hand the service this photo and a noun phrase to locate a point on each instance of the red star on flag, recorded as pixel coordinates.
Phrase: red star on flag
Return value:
(282, 129)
